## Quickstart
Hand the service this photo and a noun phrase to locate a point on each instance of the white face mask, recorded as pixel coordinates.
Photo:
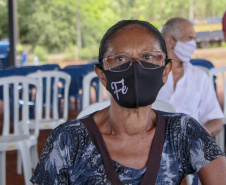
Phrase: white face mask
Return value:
(184, 50)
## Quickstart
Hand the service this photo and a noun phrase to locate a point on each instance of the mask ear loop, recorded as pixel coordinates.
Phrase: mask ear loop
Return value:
(135, 76)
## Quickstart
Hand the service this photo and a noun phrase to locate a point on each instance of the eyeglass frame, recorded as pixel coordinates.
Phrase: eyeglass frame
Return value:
(133, 59)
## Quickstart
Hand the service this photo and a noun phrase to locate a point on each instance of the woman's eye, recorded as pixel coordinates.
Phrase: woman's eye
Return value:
(147, 57)
(120, 59)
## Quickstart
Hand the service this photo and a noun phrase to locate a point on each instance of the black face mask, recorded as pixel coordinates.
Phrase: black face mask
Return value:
(135, 87)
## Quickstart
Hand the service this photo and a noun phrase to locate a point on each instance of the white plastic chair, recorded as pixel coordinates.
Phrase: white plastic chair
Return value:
(220, 138)
(16, 90)
(163, 106)
(220, 71)
(158, 105)
(86, 90)
(93, 107)
(55, 81)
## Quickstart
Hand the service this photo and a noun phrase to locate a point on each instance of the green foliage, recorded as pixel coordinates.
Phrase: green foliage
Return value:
(19, 48)
(223, 44)
(215, 45)
(55, 24)
(69, 56)
(41, 53)
(89, 53)
(3, 19)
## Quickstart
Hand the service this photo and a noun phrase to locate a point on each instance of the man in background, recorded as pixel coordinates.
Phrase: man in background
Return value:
(188, 88)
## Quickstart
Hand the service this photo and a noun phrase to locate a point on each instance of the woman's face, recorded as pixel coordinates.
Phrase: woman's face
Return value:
(132, 41)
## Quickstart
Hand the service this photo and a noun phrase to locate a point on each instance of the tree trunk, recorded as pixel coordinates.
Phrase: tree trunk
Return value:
(79, 37)
(191, 10)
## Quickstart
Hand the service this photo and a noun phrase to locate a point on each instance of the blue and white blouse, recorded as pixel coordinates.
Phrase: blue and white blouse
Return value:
(71, 157)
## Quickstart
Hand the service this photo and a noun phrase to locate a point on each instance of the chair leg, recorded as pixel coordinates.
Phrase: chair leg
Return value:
(19, 163)
(34, 156)
(26, 159)
(220, 139)
(3, 168)
(189, 179)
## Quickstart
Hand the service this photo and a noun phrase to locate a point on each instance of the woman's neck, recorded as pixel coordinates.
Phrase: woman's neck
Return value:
(120, 121)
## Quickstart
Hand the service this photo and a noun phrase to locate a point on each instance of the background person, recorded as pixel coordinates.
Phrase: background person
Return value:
(188, 88)
(128, 142)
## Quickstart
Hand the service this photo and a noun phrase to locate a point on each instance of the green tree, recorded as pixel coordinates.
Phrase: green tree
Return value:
(57, 25)
(4, 19)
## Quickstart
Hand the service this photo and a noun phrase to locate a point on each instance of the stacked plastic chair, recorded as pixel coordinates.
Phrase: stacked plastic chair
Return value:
(220, 72)
(4, 54)
(55, 86)
(20, 138)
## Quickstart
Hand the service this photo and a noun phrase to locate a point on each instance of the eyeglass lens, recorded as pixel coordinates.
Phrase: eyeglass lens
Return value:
(146, 60)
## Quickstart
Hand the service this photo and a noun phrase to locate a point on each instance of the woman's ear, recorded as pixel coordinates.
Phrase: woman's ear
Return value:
(101, 76)
(166, 72)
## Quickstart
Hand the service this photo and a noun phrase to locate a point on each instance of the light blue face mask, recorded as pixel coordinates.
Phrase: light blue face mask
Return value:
(184, 50)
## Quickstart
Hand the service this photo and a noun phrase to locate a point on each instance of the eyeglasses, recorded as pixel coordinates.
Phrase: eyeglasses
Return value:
(147, 60)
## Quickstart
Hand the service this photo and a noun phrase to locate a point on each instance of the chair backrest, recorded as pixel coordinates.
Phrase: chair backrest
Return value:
(87, 67)
(202, 62)
(16, 94)
(163, 106)
(77, 75)
(93, 107)
(220, 72)
(47, 67)
(221, 81)
(204, 65)
(86, 90)
(158, 105)
(4, 54)
(54, 82)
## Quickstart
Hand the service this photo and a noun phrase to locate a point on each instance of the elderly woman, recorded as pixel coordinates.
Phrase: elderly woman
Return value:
(129, 142)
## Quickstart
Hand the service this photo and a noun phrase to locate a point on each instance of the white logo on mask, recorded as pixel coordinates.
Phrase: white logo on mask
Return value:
(184, 50)
(123, 89)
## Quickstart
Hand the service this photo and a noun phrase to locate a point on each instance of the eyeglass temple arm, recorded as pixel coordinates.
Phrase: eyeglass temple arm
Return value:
(167, 60)
(99, 66)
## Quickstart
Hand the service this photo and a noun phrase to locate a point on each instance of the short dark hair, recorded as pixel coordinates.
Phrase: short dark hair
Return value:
(123, 24)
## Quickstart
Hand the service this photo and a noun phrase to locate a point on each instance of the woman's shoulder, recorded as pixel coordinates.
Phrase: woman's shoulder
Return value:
(180, 121)
(70, 136)
(175, 117)
(69, 132)
(70, 126)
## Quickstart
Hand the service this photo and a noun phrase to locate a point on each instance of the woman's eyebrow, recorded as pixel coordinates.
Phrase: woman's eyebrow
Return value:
(121, 52)
(149, 50)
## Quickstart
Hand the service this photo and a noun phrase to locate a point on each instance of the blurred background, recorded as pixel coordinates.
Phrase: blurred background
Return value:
(70, 31)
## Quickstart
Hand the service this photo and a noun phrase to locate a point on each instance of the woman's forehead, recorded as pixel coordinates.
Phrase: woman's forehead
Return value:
(132, 31)
(134, 37)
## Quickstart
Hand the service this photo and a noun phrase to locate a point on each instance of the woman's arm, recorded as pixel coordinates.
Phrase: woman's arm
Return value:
(214, 172)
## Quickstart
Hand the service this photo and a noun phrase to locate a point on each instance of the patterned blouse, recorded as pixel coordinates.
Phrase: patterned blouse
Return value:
(71, 157)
